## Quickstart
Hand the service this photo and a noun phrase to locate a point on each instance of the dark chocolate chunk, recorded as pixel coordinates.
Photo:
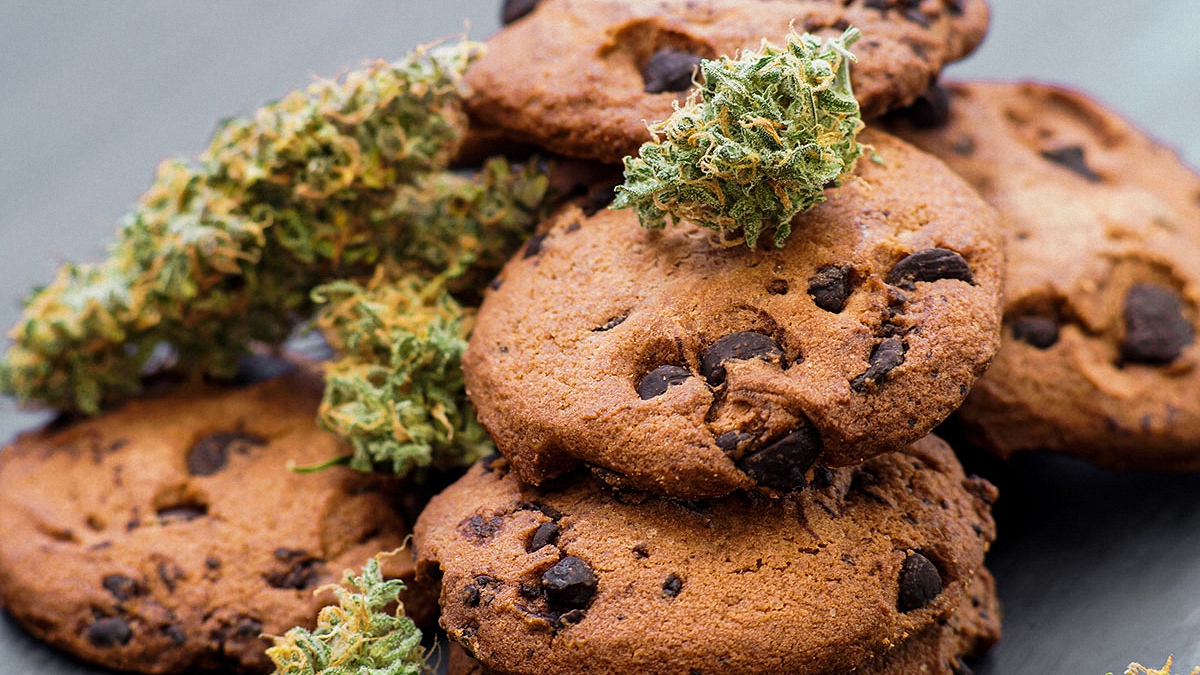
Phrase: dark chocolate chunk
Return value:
(481, 527)
(741, 346)
(822, 477)
(212, 563)
(534, 245)
(211, 453)
(830, 288)
(301, 575)
(778, 287)
(659, 380)
(916, 16)
(109, 632)
(516, 9)
(931, 110)
(672, 586)
(731, 440)
(545, 535)
(920, 583)
(1072, 157)
(930, 264)
(1156, 331)
(471, 596)
(121, 587)
(669, 69)
(570, 583)
(781, 465)
(570, 618)
(1039, 331)
(884, 358)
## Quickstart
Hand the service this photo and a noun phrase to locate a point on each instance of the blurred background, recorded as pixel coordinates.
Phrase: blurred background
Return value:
(1096, 569)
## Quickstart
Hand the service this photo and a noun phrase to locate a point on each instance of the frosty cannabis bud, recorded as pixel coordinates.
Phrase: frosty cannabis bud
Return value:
(333, 200)
(1139, 669)
(769, 132)
(357, 636)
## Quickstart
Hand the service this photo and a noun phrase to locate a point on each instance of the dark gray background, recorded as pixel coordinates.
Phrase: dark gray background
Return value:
(1096, 569)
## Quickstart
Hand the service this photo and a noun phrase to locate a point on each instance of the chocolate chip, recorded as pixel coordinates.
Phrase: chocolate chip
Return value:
(931, 110)
(304, 571)
(672, 586)
(669, 69)
(930, 264)
(1156, 330)
(545, 535)
(496, 284)
(778, 287)
(212, 563)
(880, 5)
(120, 586)
(516, 9)
(782, 464)
(109, 632)
(210, 454)
(1072, 157)
(471, 596)
(964, 146)
(598, 197)
(920, 583)
(731, 440)
(570, 618)
(741, 346)
(917, 16)
(884, 358)
(530, 591)
(641, 551)
(822, 477)
(611, 323)
(830, 288)
(659, 380)
(570, 583)
(480, 527)
(182, 513)
(1039, 331)
(534, 245)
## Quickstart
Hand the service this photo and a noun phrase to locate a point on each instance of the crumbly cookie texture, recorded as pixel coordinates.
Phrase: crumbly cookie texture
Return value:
(171, 534)
(1103, 281)
(543, 580)
(583, 77)
(684, 367)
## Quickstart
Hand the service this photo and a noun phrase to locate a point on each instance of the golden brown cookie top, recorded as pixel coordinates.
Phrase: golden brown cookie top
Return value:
(543, 580)
(1103, 278)
(583, 77)
(686, 368)
(171, 534)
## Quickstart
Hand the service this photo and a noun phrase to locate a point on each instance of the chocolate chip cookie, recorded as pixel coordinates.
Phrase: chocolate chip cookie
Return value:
(1099, 356)
(171, 534)
(582, 77)
(872, 561)
(689, 368)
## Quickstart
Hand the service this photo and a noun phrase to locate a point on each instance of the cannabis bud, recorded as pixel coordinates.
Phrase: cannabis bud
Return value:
(356, 636)
(768, 133)
(1139, 669)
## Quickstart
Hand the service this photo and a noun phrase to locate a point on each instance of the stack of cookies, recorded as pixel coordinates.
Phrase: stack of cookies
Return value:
(716, 459)
(712, 459)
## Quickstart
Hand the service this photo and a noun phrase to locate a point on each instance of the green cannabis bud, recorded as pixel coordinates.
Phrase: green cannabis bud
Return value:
(1139, 669)
(770, 130)
(357, 636)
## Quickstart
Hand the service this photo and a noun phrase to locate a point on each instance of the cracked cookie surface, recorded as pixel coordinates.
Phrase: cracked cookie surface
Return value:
(1099, 355)
(171, 534)
(683, 367)
(866, 567)
(583, 77)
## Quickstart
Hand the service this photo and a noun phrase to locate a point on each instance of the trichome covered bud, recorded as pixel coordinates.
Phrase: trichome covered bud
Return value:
(769, 131)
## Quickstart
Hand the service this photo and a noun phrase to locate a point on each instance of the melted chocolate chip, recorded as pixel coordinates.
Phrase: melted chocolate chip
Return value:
(931, 110)
(481, 527)
(534, 245)
(731, 440)
(672, 586)
(778, 287)
(570, 583)
(121, 587)
(516, 9)
(931, 264)
(659, 380)
(1156, 331)
(920, 583)
(109, 632)
(830, 288)
(1072, 157)
(884, 358)
(737, 347)
(210, 454)
(669, 69)
(1038, 331)
(545, 535)
(781, 465)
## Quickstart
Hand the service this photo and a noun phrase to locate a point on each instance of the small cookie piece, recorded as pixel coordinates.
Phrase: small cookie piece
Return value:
(582, 77)
(691, 369)
(811, 583)
(170, 534)
(1102, 304)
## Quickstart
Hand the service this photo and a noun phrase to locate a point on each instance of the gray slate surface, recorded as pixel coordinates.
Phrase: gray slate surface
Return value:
(1095, 568)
